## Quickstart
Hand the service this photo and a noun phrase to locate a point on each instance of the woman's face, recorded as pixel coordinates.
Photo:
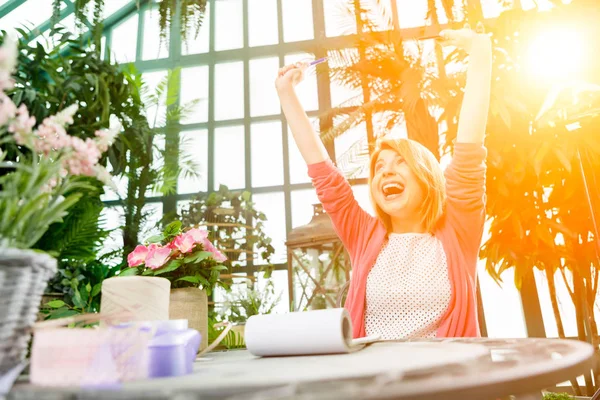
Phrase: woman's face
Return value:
(394, 187)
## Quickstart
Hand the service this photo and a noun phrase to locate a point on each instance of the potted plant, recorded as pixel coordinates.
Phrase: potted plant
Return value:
(234, 225)
(245, 302)
(190, 262)
(48, 170)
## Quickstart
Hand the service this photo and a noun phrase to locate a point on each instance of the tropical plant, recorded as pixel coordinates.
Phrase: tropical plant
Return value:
(186, 259)
(234, 224)
(247, 300)
(80, 284)
(190, 14)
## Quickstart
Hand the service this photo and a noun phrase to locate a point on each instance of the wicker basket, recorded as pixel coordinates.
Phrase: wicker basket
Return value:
(24, 275)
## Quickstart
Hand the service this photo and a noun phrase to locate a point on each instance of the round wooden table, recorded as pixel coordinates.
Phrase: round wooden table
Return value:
(414, 369)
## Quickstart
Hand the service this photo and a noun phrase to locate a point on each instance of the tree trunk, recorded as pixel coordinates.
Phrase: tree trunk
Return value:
(580, 316)
(553, 300)
(558, 318)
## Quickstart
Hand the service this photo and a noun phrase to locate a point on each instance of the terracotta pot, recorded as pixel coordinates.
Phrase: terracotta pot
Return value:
(191, 304)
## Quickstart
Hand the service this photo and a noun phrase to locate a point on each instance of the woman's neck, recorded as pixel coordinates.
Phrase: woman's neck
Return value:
(403, 225)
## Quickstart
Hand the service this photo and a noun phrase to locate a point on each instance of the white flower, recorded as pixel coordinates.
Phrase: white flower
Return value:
(104, 176)
(8, 61)
(65, 117)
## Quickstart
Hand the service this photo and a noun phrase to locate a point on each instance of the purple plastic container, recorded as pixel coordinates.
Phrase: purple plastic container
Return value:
(173, 353)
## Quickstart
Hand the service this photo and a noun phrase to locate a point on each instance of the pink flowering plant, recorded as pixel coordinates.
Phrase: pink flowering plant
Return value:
(187, 258)
(45, 179)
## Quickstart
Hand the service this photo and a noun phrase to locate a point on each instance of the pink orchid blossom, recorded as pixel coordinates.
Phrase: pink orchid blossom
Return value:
(7, 109)
(184, 243)
(157, 256)
(197, 235)
(137, 256)
(217, 255)
(23, 124)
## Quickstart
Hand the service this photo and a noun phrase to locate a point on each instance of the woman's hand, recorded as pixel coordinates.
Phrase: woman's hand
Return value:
(465, 38)
(290, 75)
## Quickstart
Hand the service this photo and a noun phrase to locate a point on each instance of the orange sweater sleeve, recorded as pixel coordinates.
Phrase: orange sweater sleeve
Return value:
(352, 224)
(465, 204)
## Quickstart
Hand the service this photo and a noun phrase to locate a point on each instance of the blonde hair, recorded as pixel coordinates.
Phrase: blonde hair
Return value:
(428, 172)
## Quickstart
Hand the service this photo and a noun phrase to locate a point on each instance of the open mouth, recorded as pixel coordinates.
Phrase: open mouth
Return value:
(392, 190)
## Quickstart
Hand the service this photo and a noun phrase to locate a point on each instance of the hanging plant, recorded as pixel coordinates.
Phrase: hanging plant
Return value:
(190, 16)
(82, 8)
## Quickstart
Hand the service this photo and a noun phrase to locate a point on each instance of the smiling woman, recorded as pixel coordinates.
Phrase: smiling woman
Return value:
(414, 265)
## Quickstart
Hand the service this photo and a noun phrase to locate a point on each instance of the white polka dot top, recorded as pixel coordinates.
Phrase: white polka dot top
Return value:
(408, 289)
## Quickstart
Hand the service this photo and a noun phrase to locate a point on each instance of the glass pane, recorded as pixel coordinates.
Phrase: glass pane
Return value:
(412, 13)
(272, 205)
(158, 148)
(112, 6)
(267, 154)
(113, 218)
(198, 44)
(69, 23)
(298, 168)
(307, 89)
(491, 8)
(194, 88)
(230, 157)
(183, 205)
(302, 206)
(156, 112)
(361, 194)
(262, 22)
(351, 151)
(228, 25)
(341, 94)
(565, 304)
(229, 91)
(150, 225)
(263, 96)
(497, 300)
(124, 40)
(154, 46)
(193, 146)
(121, 184)
(28, 15)
(339, 18)
(280, 282)
(297, 20)
(380, 14)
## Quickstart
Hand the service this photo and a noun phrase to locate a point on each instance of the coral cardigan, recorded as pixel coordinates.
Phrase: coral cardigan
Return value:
(460, 230)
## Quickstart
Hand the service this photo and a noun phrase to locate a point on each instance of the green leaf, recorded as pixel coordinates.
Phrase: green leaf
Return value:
(173, 228)
(62, 313)
(55, 304)
(171, 266)
(191, 279)
(97, 288)
(77, 301)
(155, 239)
(197, 257)
(219, 267)
(128, 272)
